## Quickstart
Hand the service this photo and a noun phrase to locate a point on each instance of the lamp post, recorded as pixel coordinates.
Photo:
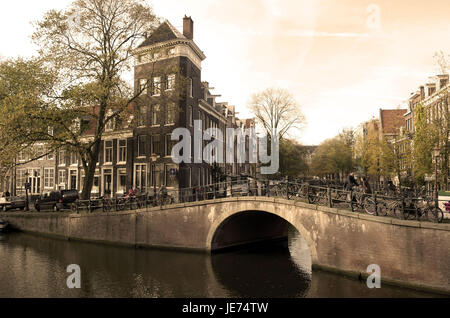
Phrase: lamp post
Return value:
(436, 154)
(154, 157)
(27, 185)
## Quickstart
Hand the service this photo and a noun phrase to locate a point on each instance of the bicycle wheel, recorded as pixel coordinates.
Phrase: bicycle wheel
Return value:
(399, 212)
(382, 209)
(435, 214)
(369, 206)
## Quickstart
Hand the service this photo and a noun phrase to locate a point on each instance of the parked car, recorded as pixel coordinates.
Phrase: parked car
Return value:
(12, 203)
(56, 201)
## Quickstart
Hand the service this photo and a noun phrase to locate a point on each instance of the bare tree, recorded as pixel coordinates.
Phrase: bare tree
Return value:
(89, 45)
(277, 111)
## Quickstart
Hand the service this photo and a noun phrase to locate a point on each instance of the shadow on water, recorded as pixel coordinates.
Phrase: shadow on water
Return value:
(33, 266)
(264, 271)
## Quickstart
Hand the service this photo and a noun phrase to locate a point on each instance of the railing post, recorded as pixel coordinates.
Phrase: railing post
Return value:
(403, 208)
(351, 200)
(330, 202)
(375, 202)
(287, 190)
(115, 204)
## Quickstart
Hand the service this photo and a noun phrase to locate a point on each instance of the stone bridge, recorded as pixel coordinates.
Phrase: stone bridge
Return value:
(409, 253)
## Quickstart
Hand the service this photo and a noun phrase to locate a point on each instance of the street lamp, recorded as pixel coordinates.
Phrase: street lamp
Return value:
(436, 154)
(154, 157)
(27, 185)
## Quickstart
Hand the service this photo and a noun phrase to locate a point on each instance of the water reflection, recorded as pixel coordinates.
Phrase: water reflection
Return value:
(33, 266)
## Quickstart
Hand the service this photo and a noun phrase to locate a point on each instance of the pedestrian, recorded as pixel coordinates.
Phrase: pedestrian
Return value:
(366, 186)
(351, 181)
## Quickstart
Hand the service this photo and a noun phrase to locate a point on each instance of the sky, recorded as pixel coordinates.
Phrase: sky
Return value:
(342, 60)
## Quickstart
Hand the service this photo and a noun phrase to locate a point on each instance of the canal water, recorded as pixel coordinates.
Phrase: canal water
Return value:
(33, 266)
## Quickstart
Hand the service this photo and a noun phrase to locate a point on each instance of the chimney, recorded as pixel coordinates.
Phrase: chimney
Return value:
(422, 92)
(188, 27)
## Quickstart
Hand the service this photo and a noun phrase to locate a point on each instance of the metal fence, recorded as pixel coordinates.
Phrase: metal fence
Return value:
(405, 206)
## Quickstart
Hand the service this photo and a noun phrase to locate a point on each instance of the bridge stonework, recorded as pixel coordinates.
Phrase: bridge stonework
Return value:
(409, 253)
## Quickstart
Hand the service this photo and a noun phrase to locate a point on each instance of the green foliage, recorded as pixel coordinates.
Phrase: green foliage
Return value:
(292, 159)
(424, 141)
(334, 156)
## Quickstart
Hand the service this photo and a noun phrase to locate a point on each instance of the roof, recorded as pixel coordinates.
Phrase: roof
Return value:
(165, 32)
(392, 120)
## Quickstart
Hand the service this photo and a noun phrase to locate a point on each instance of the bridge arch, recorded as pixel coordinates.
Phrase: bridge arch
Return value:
(271, 211)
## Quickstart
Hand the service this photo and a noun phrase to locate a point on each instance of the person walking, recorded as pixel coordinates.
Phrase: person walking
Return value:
(366, 186)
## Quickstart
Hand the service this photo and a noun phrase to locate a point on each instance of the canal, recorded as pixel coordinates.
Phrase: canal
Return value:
(34, 266)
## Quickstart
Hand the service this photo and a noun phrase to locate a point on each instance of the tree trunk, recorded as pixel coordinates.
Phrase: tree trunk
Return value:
(89, 172)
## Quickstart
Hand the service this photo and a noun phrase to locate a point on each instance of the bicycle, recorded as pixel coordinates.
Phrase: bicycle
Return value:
(429, 212)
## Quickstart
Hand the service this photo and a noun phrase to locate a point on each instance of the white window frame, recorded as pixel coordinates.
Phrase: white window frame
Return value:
(171, 78)
(64, 171)
(143, 86)
(118, 180)
(136, 165)
(104, 151)
(156, 86)
(62, 156)
(118, 151)
(103, 180)
(49, 178)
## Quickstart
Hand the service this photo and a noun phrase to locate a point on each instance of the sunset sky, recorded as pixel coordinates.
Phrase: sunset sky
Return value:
(343, 60)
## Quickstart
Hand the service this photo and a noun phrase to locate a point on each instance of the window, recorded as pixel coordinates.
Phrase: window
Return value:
(169, 144)
(171, 112)
(190, 87)
(156, 145)
(109, 126)
(21, 178)
(50, 156)
(171, 81)
(140, 178)
(122, 155)
(21, 156)
(142, 117)
(142, 143)
(40, 152)
(49, 175)
(155, 114)
(171, 180)
(62, 177)
(121, 181)
(143, 86)
(108, 151)
(107, 181)
(190, 117)
(73, 159)
(157, 175)
(157, 86)
(62, 158)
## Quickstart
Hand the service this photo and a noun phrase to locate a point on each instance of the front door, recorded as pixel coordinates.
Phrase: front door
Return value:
(73, 180)
(35, 181)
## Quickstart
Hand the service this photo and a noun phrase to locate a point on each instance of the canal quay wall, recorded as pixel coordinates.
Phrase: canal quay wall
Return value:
(409, 253)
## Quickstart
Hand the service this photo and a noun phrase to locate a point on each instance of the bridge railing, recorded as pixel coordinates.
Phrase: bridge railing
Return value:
(330, 195)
